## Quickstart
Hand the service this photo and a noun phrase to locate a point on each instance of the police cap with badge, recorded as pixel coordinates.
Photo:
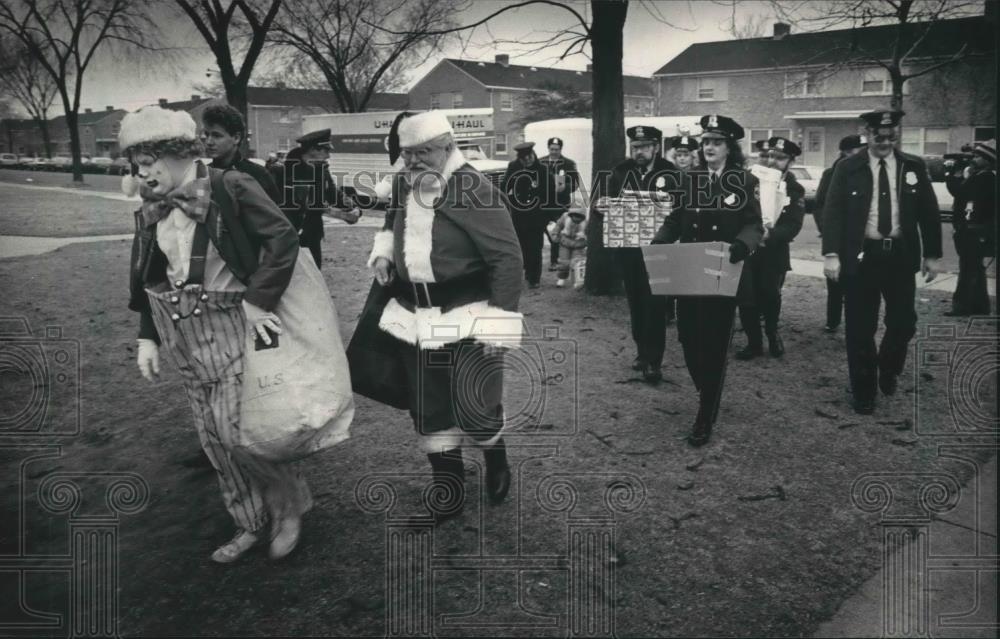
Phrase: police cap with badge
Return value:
(784, 145)
(524, 148)
(642, 134)
(556, 141)
(882, 119)
(684, 142)
(851, 142)
(315, 139)
(720, 126)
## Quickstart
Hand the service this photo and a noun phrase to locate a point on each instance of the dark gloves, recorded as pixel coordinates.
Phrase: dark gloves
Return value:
(738, 252)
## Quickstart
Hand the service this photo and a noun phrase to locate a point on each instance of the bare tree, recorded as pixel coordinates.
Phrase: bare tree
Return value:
(346, 41)
(64, 36)
(221, 27)
(23, 80)
(903, 54)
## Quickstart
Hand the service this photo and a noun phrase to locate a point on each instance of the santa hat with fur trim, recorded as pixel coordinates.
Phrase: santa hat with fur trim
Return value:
(423, 127)
(153, 124)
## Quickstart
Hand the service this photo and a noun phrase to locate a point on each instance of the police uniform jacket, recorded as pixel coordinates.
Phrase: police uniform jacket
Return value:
(775, 252)
(722, 211)
(975, 208)
(307, 190)
(821, 192)
(261, 253)
(662, 176)
(531, 192)
(569, 169)
(459, 241)
(847, 204)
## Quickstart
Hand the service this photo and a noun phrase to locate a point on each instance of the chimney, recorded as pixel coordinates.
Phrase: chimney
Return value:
(590, 68)
(502, 59)
(88, 110)
(109, 108)
(781, 29)
(163, 102)
(195, 97)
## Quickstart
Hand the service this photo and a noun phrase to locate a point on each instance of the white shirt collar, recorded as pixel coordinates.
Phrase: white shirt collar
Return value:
(890, 160)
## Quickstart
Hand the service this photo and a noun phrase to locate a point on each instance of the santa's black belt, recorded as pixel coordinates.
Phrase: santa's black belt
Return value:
(446, 295)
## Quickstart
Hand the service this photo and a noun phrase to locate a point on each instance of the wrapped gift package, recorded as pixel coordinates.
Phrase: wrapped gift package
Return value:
(697, 268)
(773, 197)
(631, 221)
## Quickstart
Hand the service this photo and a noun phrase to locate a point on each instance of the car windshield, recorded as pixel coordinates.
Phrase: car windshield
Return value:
(474, 153)
(800, 173)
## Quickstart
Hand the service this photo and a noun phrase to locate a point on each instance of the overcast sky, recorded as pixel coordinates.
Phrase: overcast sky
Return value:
(649, 43)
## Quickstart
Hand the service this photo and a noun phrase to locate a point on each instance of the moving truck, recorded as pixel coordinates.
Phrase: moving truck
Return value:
(360, 157)
(577, 137)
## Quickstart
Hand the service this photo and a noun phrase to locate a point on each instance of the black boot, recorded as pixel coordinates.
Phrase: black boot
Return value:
(750, 351)
(446, 497)
(701, 432)
(750, 319)
(774, 344)
(497, 471)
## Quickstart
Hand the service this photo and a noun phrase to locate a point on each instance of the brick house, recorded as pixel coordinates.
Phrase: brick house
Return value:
(502, 86)
(24, 137)
(797, 85)
(275, 114)
(98, 132)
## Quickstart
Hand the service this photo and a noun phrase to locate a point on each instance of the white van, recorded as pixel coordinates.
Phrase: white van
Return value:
(577, 137)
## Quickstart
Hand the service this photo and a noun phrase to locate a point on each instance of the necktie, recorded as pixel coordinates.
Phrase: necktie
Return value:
(884, 201)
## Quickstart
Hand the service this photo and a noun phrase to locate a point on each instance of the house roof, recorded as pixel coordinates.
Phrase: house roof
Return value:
(87, 119)
(274, 96)
(825, 47)
(515, 76)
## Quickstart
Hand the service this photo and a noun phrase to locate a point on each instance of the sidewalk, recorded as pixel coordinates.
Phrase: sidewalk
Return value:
(960, 600)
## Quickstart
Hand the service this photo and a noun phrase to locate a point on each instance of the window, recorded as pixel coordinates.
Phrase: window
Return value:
(456, 100)
(626, 106)
(284, 144)
(284, 116)
(435, 100)
(501, 144)
(983, 133)
(875, 82)
(710, 89)
(910, 141)
(506, 102)
(936, 141)
(803, 84)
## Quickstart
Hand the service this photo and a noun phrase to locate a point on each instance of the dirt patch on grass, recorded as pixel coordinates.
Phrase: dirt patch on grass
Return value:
(755, 534)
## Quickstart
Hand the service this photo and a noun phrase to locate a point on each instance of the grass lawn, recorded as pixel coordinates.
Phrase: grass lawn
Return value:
(753, 535)
(55, 214)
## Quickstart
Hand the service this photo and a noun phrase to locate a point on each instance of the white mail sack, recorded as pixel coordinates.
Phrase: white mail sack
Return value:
(772, 193)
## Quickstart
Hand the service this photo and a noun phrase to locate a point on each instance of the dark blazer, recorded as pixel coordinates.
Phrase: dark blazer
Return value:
(845, 210)
(821, 192)
(975, 209)
(776, 251)
(261, 226)
(572, 175)
(726, 212)
(256, 171)
(663, 176)
(307, 189)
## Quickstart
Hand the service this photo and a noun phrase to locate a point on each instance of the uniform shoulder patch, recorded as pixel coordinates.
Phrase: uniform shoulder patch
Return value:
(756, 191)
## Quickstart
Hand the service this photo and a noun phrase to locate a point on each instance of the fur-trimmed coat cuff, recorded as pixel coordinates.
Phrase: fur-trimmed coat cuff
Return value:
(382, 247)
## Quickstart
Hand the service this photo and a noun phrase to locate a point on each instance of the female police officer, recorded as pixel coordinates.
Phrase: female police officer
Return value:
(720, 203)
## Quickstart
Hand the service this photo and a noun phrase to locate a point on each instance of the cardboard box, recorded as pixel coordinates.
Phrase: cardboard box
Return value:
(631, 221)
(697, 268)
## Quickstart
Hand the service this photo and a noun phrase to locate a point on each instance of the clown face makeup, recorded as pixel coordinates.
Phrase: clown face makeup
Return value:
(161, 175)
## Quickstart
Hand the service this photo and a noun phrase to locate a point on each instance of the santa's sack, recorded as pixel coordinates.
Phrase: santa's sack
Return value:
(297, 395)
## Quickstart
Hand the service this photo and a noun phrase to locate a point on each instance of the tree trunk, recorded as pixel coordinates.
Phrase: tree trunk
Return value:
(236, 96)
(43, 127)
(896, 102)
(606, 43)
(72, 124)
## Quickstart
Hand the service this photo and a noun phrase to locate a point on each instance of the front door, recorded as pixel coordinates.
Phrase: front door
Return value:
(812, 147)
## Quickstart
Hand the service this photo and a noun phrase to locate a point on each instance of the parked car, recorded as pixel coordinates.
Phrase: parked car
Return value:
(119, 166)
(61, 162)
(8, 160)
(39, 164)
(101, 165)
(808, 176)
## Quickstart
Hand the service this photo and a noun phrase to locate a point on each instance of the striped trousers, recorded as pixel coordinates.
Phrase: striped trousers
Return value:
(207, 347)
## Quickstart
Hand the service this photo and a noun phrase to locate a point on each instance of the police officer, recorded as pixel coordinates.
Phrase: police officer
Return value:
(721, 203)
(309, 191)
(645, 170)
(974, 219)
(849, 145)
(532, 201)
(765, 270)
(567, 180)
(880, 211)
